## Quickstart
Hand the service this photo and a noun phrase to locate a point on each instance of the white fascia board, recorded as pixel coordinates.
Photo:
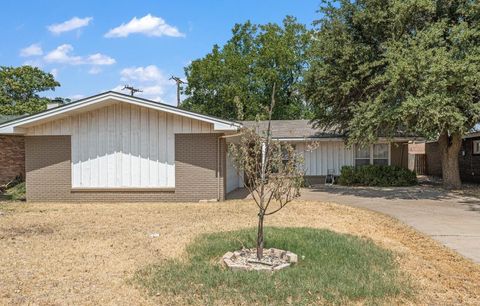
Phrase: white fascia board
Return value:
(225, 127)
(219, 124)
(10, 129)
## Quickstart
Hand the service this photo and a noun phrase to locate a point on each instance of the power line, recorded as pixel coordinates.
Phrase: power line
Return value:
(179, 82)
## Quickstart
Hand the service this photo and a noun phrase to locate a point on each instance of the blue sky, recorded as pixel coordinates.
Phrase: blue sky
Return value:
(104, 47)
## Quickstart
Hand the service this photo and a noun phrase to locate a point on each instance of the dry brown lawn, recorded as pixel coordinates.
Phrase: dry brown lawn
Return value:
(55, 254)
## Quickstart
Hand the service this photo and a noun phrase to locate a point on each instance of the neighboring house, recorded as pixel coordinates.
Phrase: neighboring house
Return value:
(118, 148)
(12, 154)
(468, 158)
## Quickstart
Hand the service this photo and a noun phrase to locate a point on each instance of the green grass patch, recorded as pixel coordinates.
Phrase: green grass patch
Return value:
(333, 268)
(16, 193)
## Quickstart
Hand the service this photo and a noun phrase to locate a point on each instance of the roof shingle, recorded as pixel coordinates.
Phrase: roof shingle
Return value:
(291, 129)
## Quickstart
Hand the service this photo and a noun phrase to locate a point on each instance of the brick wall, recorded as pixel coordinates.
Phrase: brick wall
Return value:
(48, 172)
(195, 166)
(12, 158)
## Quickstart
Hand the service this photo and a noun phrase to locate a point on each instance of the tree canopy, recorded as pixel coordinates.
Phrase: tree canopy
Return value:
(383, 67)
(20, 88)
(235, 81)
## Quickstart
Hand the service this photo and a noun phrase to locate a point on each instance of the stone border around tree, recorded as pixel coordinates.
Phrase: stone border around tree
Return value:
(245, 260)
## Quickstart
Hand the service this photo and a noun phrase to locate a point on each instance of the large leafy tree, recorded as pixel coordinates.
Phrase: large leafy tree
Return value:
(389, 67)
(20, 88)
(235, 81)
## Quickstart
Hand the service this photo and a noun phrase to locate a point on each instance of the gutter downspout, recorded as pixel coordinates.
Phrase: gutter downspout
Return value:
(218, 160)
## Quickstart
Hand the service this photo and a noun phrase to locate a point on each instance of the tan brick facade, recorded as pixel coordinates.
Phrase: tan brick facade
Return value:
(195, 166)
(48, 172)
(12, 158)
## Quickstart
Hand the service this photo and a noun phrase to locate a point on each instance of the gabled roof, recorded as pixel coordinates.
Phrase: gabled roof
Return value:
(7, 118)
(291, 129)
(303, 130)
(17, 125)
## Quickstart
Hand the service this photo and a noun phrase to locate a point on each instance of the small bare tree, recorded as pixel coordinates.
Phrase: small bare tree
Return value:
(273, 171)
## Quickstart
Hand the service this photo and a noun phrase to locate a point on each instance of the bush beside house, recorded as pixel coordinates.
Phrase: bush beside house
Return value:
(374, 175)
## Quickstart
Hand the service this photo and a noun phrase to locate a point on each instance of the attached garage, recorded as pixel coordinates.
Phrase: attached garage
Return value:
(114, 147)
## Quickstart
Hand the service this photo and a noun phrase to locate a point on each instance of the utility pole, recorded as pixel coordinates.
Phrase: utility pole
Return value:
(179, 84)
(132, 89)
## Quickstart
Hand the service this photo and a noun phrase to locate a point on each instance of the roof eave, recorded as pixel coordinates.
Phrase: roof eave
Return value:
(14, 127)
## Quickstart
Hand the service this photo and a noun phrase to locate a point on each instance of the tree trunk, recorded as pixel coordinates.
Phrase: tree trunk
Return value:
(260, 236)
(450, 147)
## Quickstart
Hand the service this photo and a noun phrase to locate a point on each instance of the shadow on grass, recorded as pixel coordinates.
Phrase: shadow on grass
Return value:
(333, 268)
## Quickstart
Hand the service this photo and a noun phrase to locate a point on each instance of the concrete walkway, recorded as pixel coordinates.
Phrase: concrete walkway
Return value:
(450, 219)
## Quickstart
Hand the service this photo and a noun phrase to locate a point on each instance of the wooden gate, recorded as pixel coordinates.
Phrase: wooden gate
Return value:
(418, 163)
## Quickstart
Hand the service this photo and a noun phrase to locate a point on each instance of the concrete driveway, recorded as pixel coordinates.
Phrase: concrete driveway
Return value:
(451, 219)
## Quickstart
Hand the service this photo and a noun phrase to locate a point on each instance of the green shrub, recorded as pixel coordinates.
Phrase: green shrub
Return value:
(17, 192)
(373, 175)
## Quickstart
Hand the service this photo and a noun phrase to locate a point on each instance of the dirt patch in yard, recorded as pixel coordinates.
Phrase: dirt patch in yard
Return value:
(92, 250)
(35, 229)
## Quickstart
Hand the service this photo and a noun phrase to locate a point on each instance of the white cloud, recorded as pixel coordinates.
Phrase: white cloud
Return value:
(148, 25)
(34, 63)
(100, 59)
(144, 74)
(62, 55)
(32, 50)
(150, 79)
(154, 90)
(54, 72)
(69, 25)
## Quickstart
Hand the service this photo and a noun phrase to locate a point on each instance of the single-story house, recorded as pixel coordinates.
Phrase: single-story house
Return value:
(119, 148)
(468, 158)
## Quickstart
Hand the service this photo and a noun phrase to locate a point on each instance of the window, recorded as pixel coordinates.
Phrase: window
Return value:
(377, 154)
(476, 147)
(380, 154)
(362, 156)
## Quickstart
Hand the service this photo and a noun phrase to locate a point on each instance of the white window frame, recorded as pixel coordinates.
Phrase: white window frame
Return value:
(476, 146)
(371, 153)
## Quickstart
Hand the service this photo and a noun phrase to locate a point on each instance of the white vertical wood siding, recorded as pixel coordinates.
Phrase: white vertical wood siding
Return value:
(122, 145)
(327, 155)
